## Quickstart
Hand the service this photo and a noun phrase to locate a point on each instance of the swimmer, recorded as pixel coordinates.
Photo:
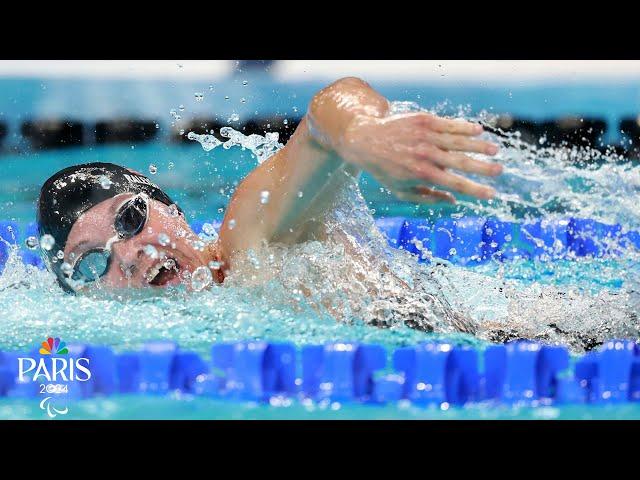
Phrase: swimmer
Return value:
(112, 227)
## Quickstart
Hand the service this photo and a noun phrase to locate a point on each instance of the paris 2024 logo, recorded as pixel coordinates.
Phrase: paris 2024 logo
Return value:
(54, 371)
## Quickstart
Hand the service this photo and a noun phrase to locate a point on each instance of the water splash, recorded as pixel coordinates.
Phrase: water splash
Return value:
(354, 276)
(261, 146)
(549, 181)
(351, 283)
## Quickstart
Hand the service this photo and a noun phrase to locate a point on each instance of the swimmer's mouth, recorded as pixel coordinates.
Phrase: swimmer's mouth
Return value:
(164, 273)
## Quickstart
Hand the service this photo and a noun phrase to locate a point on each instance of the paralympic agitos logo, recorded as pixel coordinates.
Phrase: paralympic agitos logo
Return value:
(54, 365)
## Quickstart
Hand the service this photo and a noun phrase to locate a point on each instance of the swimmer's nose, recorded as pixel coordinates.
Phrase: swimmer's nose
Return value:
(127, 258)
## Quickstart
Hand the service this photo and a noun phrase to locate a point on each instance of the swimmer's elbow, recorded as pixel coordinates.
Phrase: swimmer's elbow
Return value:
(333, 107)
(351, 82)
(337, 92)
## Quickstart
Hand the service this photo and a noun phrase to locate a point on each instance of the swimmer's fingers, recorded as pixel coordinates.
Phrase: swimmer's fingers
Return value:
(459, 184)
(455, 126)
(436, 175)
(461, 143)
(423, 194)
(458, 161)
(424, 120)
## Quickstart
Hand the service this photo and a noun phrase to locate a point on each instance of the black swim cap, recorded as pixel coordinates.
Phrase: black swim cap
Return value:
(74, 190)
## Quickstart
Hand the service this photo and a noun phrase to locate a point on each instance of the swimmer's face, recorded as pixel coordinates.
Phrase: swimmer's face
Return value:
(131, 261)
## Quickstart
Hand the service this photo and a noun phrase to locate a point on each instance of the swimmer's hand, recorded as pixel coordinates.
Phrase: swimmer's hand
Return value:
(348, 129)
(412, 152)
(408, 153)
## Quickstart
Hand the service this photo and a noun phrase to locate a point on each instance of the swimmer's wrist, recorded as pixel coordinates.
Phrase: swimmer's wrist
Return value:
(359, 129)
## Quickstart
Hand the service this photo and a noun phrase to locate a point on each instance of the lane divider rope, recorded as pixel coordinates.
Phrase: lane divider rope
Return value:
(520, 372)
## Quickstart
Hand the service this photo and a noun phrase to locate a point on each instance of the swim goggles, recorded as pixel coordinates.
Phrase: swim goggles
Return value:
(129, 221)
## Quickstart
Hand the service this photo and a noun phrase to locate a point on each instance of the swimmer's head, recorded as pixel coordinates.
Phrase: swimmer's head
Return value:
(113, 227)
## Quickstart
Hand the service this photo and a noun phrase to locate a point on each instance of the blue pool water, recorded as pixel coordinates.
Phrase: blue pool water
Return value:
(138, 407)
(536, 183)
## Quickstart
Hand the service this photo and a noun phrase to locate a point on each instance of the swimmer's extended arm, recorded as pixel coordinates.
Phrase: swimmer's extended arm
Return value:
(347, 129)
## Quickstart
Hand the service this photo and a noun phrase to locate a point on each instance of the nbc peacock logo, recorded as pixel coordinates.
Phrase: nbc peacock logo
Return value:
(54, 346)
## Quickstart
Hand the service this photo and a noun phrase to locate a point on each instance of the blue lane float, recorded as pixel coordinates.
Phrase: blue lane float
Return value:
(471, 241)
(516, 373)
(465, 241)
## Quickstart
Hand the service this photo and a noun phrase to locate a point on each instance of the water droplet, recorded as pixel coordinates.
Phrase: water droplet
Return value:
(181, 108)
(60, 254)
(173, 210)
(32, 243)
(233, 118)
(151, 251)
(198, 245)
(243, 100)
(251, 255)
(215, 265)
(208, 229)
(232, 223)
(47, 241)
(245, 83)
(153, 169)
(66, 269)
(182, 131)
(171, 165)
(211, 88)
(264, 197)
(201, 278)
(226, 97)
(199, 96)
(208, 142)
(300, 194)
(105, 182)
(285, 121)
(209, 234)
(169, 263)
(163, 239)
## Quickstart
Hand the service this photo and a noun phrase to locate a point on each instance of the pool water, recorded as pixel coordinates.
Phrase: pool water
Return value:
(138, 407)
(580, 295)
